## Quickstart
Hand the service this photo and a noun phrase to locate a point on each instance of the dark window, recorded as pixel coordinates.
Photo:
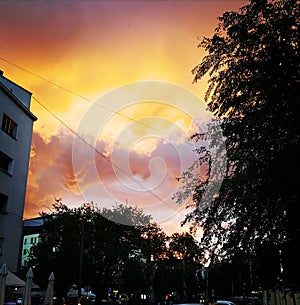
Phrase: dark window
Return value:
(6, 163)
(9, 126)
(3, 203)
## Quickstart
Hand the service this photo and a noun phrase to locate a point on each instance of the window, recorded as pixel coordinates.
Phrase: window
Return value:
(6, 163)
(9, 126)
(3, 203)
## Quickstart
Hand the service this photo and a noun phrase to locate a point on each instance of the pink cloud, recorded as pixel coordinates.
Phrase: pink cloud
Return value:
(148, 181)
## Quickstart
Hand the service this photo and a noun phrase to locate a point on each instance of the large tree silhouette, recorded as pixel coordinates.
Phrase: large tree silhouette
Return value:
(253, 64)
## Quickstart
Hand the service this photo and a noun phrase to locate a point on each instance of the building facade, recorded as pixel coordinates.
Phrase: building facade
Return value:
(16, 123)
(31, 237)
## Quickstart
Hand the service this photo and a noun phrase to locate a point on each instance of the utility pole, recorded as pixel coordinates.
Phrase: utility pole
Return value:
(81, 260)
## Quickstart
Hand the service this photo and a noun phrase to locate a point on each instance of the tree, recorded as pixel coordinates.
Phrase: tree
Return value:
(150, 253)
(183, 248)
(59, 248)
(253, 65)
(107, 246)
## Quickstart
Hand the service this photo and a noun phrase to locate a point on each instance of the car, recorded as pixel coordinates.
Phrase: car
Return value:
(223, 302)
(73, 293)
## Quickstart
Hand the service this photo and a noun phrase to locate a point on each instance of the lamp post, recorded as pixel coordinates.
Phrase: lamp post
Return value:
(81, 260)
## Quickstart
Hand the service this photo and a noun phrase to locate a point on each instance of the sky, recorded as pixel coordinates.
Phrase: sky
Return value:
(113, 91)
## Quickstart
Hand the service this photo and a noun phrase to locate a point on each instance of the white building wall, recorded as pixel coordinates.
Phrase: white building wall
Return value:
(13, 185)
(22, 95)
(28, 241)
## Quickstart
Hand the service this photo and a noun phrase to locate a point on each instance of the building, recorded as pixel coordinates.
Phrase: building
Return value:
(31, 236)
(16, 123)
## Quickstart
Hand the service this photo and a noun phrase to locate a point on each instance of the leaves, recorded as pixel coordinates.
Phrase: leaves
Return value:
(253, 64)
(107, 244)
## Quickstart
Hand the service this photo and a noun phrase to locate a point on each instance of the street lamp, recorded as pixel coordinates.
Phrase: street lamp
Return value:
(81, 260)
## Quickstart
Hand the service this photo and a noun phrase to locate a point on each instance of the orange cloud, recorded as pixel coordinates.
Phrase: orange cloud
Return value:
(148, 181)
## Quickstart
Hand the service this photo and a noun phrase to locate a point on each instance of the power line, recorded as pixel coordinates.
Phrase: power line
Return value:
(46, 80)
(85, 98)
(90, 101)
(75, 93)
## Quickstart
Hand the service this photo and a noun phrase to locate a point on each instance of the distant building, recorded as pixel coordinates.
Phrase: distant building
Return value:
(16, 123)
(31, 236)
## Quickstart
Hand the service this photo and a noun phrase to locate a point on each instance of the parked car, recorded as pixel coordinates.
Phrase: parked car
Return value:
(73, 293)
(223, 302)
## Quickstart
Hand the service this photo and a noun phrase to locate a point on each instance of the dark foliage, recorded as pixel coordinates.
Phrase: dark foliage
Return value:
(253, 64)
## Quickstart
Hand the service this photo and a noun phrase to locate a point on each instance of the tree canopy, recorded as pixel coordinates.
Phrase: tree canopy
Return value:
(253, 66)
(106, 245)
(134, 258)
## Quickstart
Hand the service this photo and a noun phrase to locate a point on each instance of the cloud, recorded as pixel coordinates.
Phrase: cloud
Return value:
(147, 181)
(50, 172)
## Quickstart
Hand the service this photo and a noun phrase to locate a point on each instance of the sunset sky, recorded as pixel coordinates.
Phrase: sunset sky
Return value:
(118, 74)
